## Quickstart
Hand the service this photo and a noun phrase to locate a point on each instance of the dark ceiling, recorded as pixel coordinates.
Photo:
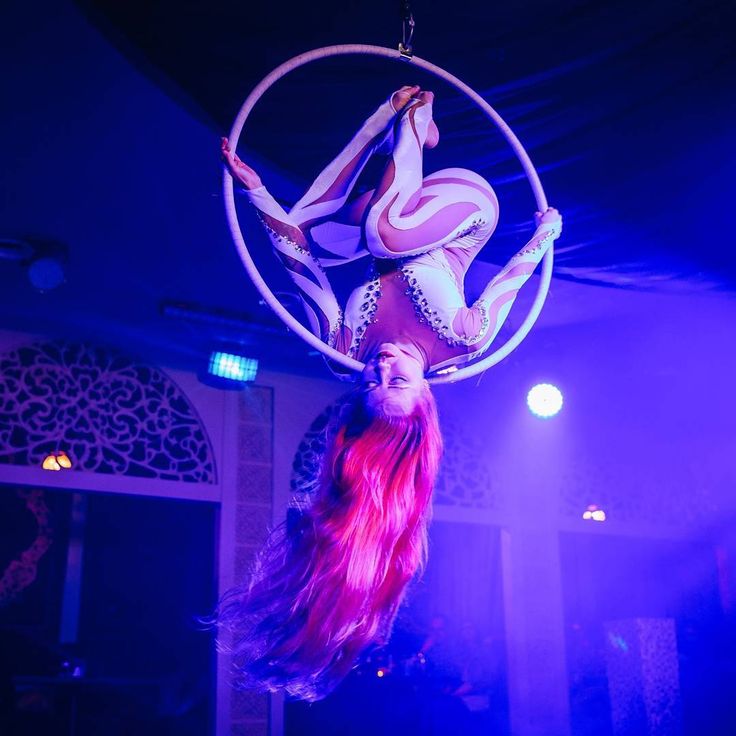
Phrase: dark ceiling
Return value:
(627, 108)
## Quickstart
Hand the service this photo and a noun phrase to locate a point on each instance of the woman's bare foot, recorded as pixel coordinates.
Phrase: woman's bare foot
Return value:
(398, 101)
(242, 173)
(401, 97)
(425, 97)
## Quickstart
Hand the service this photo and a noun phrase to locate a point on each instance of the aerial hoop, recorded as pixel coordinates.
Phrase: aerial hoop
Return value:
(289, 320)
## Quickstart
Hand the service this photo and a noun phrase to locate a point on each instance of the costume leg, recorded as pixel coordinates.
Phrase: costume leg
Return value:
(406, 217)
(292, 249)
(331, 188)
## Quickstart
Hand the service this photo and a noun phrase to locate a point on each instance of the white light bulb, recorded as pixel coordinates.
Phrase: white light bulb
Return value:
(544, 400)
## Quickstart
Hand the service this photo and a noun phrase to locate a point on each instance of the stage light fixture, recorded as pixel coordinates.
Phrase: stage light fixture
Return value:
(43, 261)
(232, 367)
(46, 273)
(544, 400)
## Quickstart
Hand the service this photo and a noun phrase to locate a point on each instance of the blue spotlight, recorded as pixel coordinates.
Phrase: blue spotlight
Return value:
(544, 400)
(233, 367)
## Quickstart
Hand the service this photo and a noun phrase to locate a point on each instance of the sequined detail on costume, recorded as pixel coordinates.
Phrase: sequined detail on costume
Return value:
(335, 331)
(282, 238)
(538, 246)
(367, 312)
(473, 228)
(427, 315)
(292, 249)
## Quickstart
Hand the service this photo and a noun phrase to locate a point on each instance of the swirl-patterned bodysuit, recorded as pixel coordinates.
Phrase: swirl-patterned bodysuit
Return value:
(423, 234)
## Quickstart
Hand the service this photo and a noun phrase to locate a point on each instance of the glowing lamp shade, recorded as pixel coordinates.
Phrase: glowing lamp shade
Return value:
(56, 461)
(544, 400)
(593, 513)
(233, 367)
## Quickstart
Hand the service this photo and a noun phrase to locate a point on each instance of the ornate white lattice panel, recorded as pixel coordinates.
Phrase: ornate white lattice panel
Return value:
(108, 413)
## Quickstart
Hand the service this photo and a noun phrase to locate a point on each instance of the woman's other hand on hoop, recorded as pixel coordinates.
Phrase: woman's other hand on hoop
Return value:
(241, 172)
(550, 218)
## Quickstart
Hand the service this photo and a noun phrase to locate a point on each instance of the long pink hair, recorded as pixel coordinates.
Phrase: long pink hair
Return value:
(323, 593)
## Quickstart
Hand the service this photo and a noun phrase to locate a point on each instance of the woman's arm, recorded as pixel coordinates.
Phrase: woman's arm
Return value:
(487, 315)
(292, 249)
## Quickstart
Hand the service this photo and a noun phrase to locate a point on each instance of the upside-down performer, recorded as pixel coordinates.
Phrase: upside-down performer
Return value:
(329, 589)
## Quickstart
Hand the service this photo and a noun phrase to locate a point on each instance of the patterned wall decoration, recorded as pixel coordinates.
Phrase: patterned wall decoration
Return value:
(253, 513)
(464, 480)
(643, 677)
(108, 413)
(307, 461)
(466, 477)
(22, 570)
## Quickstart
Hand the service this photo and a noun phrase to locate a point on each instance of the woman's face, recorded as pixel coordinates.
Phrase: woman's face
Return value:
(393, 380)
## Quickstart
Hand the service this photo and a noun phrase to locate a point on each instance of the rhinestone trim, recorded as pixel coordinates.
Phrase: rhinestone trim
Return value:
(534, 249)
(281, 238)
(427, 315)
(331, 338)
(368, 309)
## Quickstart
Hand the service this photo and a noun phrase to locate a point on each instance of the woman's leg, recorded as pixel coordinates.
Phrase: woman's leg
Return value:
(332, 187)
(406, 216)
(292, 249)
(305, 270)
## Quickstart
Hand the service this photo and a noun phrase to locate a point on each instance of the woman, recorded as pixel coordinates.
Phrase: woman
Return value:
(320, 596)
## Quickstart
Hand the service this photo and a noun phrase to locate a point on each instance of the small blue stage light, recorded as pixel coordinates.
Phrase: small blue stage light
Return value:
(233, 367)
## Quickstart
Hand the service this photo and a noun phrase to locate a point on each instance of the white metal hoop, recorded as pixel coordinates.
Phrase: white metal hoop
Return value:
(291, 322)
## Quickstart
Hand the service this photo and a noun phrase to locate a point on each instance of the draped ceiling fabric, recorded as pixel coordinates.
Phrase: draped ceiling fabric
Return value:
(626, 108)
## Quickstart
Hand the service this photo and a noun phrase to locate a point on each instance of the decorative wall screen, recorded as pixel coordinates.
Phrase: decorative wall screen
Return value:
(108, 413)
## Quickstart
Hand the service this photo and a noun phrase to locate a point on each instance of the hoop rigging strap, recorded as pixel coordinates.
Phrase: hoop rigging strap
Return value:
(407, 30)
(289, 320)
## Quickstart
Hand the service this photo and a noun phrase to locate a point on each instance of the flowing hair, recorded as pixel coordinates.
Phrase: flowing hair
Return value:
(322, 593)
